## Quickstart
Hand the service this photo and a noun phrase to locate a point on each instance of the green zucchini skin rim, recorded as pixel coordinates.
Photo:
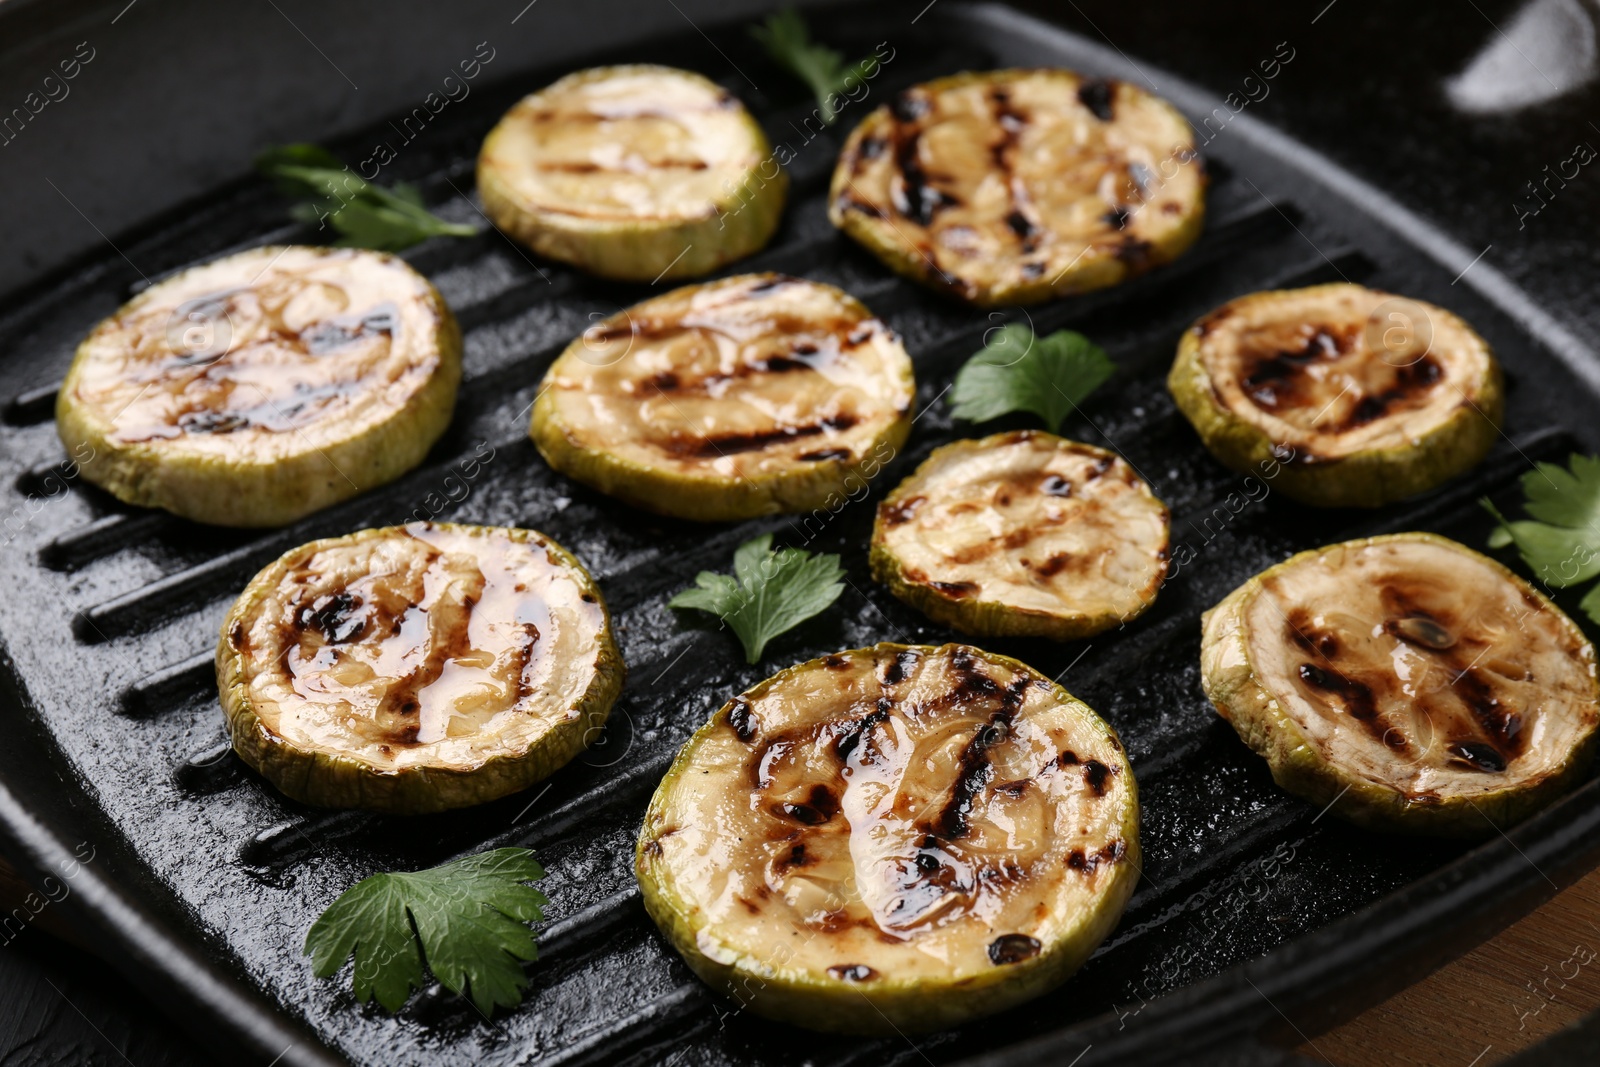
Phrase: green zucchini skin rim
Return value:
(894, 1007)
(740, 222)
(235, 492)
(991, 618)
(1096, 272)
(1366, 479)
(1262, 724)
(710, 497)
(327, 780)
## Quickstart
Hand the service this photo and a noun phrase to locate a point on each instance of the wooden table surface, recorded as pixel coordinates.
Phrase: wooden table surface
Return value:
(1532, 979)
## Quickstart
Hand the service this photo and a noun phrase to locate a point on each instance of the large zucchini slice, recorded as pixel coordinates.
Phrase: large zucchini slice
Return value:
(1407, 682)
(1023, 533)
(417, 668)
(1014, 186)
(260, 387)
(1354, 397)
(747, 396)
(638, 172)
(894, 838)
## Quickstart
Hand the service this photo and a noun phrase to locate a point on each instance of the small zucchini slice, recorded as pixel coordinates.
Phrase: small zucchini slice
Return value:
(748, 396)
(639, 173)
(1023, 534)
(1355, 397)
(895, 838)
(1407, 682)
(257, 388)
(1015, 186)
(417, 668)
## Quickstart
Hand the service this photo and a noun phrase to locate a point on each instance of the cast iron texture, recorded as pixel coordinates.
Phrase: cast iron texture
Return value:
(208, 878)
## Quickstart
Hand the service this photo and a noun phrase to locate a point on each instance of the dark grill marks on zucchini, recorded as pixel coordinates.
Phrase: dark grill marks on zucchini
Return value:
(1278, 380)
(819, 806)
(1271, 379)
(335, 616)
(915, 197)
(1501, 725)
(1410, 380)
(975, 769)
(701, 447)
(900, 668)
(320, 338)
(1096, 775)
(1088, 863)
(1013, 948)
(742, 718)
(902, 512)
(1097, 95)
(957, 590)
(1493, 736)
(1012, 122)
(851, 736)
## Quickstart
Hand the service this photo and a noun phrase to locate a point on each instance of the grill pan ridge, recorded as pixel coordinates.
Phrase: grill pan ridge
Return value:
(1250, 901)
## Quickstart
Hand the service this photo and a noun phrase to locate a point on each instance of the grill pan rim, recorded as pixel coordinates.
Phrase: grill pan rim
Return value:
(1349, 962)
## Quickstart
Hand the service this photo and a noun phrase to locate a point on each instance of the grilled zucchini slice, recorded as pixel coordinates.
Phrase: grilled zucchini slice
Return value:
(747, 396)
(1355, 397)
(1015, 186)
(260, 387)
(892, 838)
(1023, 534)
(639, 173)
(1407, 682)
(417, 668)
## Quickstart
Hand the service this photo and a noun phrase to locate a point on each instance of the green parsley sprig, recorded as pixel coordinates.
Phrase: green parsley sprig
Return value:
(1019, 371)
(465, 919)
(788, 41)
(365, 215)
(768, 593)
(1561, 543)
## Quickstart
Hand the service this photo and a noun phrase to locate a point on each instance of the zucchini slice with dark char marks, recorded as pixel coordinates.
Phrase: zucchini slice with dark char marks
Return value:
(417, 668)
(1023, 534)
(1015, 186)
(895, 838)
(748, 396)
(1407, 682)
(639, 173)
(260, 387)
(1355, 397)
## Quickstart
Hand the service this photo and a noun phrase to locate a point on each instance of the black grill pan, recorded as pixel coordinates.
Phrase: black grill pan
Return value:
(1257, 919)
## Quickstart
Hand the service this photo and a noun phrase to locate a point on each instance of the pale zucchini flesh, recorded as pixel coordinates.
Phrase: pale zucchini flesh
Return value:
(1023, 533)
(1015, 186)
(640, 173)
(748, 396)
(1359, 396)
(257, 388)
(1406, 682)
(892, 838)
(417, 668)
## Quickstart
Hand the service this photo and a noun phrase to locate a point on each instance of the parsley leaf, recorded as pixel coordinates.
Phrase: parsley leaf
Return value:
(1561, 543)
(1019, 371)
(365, 215)
(768, 593)
(788, 41)
(468, 918)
